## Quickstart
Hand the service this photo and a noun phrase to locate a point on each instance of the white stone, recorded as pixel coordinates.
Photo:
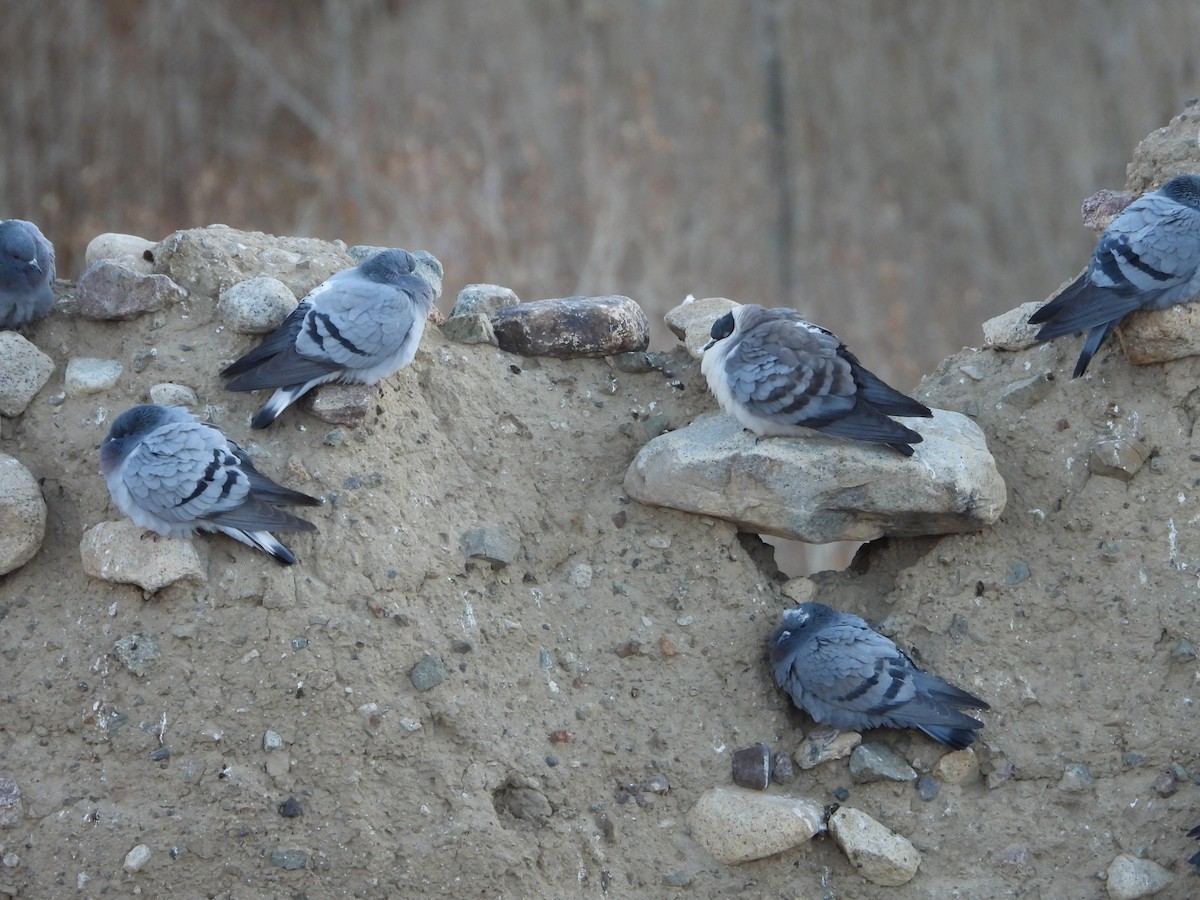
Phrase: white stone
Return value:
(136, 858)
(91, 376)
(957, 767)
(22, 514)
(272, 740)
(256, 305)
(824, 489)
(24, 369)
(880, 855)
(125, 248)
(168, 393)
(116, 551)
(1011, 330)
(1130, 877)
(737, 825)
(692, 321)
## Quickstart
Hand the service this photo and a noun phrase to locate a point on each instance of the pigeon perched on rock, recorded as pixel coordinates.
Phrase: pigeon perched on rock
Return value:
(1147, 258)
(173, 474)
(846, 675)
(26, 273)
(359, 326)
(1194, 859)
(780, 376)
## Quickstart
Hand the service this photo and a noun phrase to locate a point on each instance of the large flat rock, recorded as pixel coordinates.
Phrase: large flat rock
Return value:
(823, 489)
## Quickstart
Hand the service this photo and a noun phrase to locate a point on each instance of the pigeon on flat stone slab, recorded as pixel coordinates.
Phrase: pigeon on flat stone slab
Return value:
(26, 273)
(781, 376)
(844, 674)
(359, 326)
(1147, 258)
(173, 474)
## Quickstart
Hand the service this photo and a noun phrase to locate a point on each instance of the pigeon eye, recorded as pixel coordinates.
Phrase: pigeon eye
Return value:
(722, 328)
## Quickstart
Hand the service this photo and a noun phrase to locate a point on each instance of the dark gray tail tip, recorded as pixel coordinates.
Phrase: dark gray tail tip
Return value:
(263, 420)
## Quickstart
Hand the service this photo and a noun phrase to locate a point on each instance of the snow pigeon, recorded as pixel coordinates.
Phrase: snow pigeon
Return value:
(1147, 258)
(173, 474)
(780, 375)
(359, 326)
(26, 273)
(848, 676)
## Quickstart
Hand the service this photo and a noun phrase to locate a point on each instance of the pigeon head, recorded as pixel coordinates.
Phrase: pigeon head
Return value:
(1183, 189)
(388, 266)
(721, 329)
(19, 253)
(127, 432)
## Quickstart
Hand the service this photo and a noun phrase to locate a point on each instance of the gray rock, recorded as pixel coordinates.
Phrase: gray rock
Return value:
(572, 327)
(1130, 877)
(737, 825)
(289, 857)
(10, 802)
(127, 249)
(1098, 210)
(113, 291)
(823, 744)
(1017, 859)
(1118, 458)
(692, 321)
(752, 766)
(256, 305)
(1076, 779)
(483, 298)
(1002, 770)
(1025, 392)
(209, 260)
(136, 651)
(168, 393)
(957, 767)
(1011, 330)
(822, 489)
(428, 673)
(491, 545)
(878, 762)
(91, 376)
(470, 328)
(878, 853)
(115, 551)
(783, 770)
(524, 803)
(136, 858)
(927, 788)
(1161, 335)
(341, 404)
(22, 512)
(24, 370)
(272, 740)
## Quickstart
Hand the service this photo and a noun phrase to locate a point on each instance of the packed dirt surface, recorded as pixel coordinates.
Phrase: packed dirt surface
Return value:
(621, 643)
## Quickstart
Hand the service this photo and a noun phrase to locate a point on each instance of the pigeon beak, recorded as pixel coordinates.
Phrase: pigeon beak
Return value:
(709, 344)
(34, 264)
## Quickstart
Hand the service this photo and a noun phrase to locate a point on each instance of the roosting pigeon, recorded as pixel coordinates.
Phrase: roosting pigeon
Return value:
(173, 474)
(359, 326)
(1147, 258)
(26, 273)
(1194, 859)
(780, 375)
(846, 675)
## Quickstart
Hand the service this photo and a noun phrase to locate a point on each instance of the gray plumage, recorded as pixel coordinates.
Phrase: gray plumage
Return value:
(359, 326)
(780, 376)
(26, 273)
(173, 474)
(1147, 258)
(846, 675)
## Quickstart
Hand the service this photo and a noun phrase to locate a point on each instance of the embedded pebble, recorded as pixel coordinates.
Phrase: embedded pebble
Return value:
(880, 855)
(823, 744)
(752, 766)
(1025, 392)
(428, 673)
(482, 299)
(736, 825)
(136, 858)
(490, 545)
(1118, 458)
(1018, 859)
(289, 857)
(1130, 877)
(472, 328)
(272, 740)
(927, 788)
(10, 802)
(800, 589)
(572, 327)
(1002, 771)
(878, 762)
(291, 808)
(24, 370)
(1076, 779)
(692, 320)
(123, 248)
(22, 512)
(115, 551)
(135, 651)
(168, 393)
(113, 291)
(1011, 330)
(783, 771)
(340, 404)
(256, 305)
(957, 767)
(91, 376)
